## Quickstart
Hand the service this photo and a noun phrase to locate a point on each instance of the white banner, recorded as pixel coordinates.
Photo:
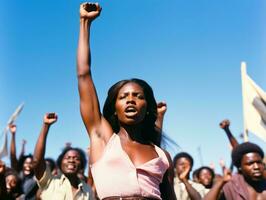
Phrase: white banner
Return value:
(254, 106)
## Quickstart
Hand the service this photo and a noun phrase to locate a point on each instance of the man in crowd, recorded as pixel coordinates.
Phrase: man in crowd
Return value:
(185, 189)
(249, 182)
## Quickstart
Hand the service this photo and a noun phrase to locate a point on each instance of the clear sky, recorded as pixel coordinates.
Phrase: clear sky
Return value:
(188, 50)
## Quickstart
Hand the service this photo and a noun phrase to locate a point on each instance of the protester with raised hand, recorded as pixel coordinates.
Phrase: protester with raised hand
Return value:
(249, 182)
(68, 185)
(185, 189)
(23, 166)
(161, 110)
(225, 126)
(124, 140)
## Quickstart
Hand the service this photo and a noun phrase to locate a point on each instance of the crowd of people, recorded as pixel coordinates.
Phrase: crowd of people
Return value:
(126, 160)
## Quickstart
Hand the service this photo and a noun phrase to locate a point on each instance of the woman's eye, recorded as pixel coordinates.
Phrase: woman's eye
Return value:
(122, 97)
(140, 96)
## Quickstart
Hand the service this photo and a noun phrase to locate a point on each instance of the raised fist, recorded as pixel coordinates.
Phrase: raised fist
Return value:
(161, 108)
(24, 142)
(68, 144)
(12, 128)
(50, 118)
(89, 10)
(225, 124)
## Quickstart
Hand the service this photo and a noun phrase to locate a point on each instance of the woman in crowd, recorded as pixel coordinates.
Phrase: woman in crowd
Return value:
(126, 162)
(23, 166)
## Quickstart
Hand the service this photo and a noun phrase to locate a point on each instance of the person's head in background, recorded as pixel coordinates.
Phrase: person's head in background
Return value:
(205, 176)
(13, 183)
(182, 161)
(52, 165)
(248, 158)
(195, 176)
(25, 164)
(71, 161)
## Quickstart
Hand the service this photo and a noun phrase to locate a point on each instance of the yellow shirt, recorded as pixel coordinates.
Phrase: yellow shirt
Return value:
(59, 188)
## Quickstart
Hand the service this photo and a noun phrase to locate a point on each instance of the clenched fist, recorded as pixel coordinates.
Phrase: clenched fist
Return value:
(89, 11)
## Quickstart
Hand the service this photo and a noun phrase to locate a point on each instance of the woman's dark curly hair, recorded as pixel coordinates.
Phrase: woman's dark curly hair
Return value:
(151, 134)
(83, 160)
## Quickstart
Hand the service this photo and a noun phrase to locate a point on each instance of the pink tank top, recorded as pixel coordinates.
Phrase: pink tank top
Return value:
(114, 174)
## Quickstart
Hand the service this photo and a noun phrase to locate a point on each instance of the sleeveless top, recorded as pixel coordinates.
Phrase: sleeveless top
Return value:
(114, 174)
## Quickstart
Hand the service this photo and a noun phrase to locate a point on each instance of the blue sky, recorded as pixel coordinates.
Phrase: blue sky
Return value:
(189, 52)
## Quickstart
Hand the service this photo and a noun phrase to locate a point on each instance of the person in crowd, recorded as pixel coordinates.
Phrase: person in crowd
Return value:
(23, 166)
(234, 143)
(249, 182)
(185, 189)
(52, 165)
(54, 171)
(14, 190)
(195, 176)
(2, 180)
(205, 176)
(67, 185)
(124, 140)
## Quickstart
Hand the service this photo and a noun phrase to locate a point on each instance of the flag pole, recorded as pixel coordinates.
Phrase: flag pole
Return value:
(200, 155)
(243, 77)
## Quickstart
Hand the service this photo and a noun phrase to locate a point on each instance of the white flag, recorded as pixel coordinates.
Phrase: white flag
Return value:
(15, 114)
(254, 106)
(3, 150)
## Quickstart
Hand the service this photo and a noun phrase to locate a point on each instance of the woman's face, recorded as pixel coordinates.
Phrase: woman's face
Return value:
(205, 177)
(27, 166)
(11, 183)
(131, 105)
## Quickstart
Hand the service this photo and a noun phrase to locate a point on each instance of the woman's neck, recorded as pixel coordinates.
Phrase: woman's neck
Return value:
(133, 133)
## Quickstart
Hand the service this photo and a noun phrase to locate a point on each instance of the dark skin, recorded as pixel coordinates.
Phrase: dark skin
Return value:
(2, 180)
(130, 105)
(27, 167)
(225, 126)
(70, 163)
(205, 178)
(161, 110)
(183, 168)
(252, 170)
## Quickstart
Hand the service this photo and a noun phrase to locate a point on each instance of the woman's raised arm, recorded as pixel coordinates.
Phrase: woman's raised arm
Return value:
(97, 127)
